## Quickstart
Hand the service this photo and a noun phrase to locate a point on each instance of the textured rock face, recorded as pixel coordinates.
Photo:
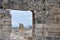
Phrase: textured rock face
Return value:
(46, 17)
(16, 34)
(5, 24)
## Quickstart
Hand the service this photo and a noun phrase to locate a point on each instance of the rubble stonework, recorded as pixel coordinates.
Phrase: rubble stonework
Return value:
(47, 16)
(5, 24)
(17, 34)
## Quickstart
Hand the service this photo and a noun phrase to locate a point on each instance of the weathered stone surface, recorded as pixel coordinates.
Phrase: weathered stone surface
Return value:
(5, 24)
(46, 14)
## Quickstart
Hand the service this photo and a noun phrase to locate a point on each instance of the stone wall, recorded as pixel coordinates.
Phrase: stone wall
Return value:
(5, 24)
(45, 13)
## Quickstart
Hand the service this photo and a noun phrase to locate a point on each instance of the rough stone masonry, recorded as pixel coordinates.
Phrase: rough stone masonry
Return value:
(5, 24)
(47, 16)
